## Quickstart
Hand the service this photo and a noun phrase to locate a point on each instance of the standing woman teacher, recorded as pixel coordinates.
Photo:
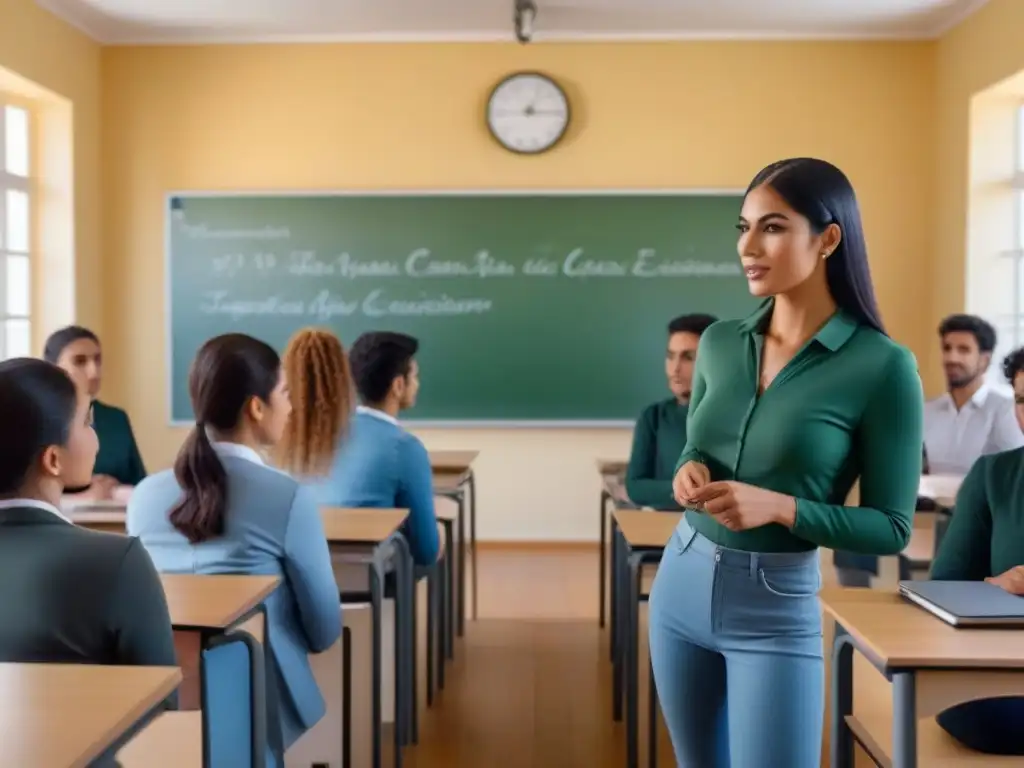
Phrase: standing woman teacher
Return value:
(789, 407)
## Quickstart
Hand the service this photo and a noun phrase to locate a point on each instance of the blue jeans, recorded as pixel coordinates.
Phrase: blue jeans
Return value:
(738, 634)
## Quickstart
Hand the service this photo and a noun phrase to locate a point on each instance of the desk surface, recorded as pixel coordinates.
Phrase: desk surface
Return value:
(921, 548)
(361, 526)
(213, 602)
(939, 486)
(612, 466)
(64, 715)
(452, 461)
(646, 529)
(899, 634)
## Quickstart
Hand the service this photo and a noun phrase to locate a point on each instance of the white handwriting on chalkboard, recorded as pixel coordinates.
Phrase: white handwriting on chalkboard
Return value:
(540, 268)
(326, 306)
(575, 265)
(219, 303)
(419, 264)
(308, 264)
(376, 305)
(203, 232)
(647, 265)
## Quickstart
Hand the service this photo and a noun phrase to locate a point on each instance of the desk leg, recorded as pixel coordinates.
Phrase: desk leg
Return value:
(405, 642)
(620, 625)
(449, 595)
(841, 739)
(603, 565)
(346, 698)
(652, 717)
(613, 610)
(471, 481)
(460, 617)
(432, 577)
(904, 720)
(376, 604)
(631, 624)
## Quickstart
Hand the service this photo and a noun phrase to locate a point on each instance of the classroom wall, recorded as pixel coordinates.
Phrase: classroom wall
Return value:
(57, 68)
(978, 53)
(700, 114)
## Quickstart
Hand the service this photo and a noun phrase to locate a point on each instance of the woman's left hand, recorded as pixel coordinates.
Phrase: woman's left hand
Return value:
(740, 507)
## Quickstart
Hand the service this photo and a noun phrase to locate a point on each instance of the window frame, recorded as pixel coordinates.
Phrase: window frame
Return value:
(23, 184)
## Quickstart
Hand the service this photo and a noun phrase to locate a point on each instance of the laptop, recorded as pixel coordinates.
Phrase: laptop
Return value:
(967, 604)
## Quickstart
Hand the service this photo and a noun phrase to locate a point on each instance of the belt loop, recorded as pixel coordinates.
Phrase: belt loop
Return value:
(753, 565)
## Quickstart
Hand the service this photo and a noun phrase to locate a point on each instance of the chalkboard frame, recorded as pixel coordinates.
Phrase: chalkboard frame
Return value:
(424, 192)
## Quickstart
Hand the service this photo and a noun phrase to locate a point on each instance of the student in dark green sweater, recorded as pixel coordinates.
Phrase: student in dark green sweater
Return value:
(119, 466)
(660, 433)
(985, 541)
(789, 407)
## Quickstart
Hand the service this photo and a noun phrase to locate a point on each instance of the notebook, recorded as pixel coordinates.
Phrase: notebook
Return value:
(968, 604)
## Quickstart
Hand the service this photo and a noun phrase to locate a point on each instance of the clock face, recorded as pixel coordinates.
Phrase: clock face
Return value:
(528, 113)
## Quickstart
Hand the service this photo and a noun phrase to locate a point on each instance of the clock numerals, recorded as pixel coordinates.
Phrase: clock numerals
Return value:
(528, 113)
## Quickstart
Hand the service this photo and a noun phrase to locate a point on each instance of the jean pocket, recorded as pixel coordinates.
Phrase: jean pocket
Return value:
(682, 540)
(797, 581)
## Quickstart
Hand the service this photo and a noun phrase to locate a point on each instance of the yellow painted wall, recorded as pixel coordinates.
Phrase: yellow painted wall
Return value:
(410, 116)
(982, 51)
(58, 67)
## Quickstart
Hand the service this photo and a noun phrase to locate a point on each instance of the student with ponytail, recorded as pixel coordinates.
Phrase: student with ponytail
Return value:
(222, 510)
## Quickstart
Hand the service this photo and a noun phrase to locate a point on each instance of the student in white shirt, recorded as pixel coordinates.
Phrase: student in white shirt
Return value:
(971, 419)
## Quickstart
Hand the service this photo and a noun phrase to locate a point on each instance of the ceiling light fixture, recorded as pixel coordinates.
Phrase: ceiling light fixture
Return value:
(524, 14)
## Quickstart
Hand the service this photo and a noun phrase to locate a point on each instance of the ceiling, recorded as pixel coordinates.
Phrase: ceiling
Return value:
(226, 21)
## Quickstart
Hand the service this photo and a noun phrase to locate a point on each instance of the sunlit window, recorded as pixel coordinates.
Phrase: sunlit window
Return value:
(15, 232)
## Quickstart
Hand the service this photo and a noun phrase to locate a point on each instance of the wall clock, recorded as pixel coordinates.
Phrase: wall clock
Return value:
(528, 113)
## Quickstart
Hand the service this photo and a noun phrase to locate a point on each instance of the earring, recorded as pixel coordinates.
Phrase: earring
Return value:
(825, 254)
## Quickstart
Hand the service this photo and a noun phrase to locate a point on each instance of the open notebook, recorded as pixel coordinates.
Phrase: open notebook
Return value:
(967, 604)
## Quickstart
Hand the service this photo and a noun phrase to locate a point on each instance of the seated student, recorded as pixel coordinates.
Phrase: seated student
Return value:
(660, 434)
(985, 541)
(1013, 369)
(68, 594)
(380, 464)
(221, 510)
(971, 419)
(119, 464)
(320, 382)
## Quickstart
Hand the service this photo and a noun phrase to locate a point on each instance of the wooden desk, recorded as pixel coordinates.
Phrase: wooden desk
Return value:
(642, 536)
(66, 715)
(107, 519)
(357, 525)
(453, 472)
(932, 667)
(611, 473)
(452, 461)
(612, 466)
(172, 740)
(200, 603)
(369, 529)
(939, 486)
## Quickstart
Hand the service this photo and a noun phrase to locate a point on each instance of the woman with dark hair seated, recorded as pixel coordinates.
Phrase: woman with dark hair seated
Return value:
(223, 510)
(67, 594)
(119, 464)
(985, 541)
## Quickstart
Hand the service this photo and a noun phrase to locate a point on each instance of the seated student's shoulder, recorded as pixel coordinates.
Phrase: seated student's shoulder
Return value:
(98, 551)
(1005, 467)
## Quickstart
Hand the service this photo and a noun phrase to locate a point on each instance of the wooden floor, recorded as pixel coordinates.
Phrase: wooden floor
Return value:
(531, 686)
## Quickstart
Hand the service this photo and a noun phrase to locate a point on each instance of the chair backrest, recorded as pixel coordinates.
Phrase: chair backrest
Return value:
(235, 700)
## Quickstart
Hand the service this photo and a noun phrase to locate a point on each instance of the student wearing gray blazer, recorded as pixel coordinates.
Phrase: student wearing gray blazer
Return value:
(222, 510)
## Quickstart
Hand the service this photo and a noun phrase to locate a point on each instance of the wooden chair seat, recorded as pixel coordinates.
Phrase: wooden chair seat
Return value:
(171, 740)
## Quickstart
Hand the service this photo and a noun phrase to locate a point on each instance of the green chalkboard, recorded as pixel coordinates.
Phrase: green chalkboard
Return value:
(532, 307)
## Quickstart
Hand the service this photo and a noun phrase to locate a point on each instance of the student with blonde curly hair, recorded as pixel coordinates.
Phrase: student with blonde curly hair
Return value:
(322, 395)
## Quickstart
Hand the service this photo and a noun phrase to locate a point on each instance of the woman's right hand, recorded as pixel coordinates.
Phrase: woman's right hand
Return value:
(691, 476)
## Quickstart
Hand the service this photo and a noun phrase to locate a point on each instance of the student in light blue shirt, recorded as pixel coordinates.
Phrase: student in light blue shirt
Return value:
(380, 464)
(222, 510)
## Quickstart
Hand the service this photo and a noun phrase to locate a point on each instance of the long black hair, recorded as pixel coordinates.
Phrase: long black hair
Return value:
(822, 194)
(60, 339)
(38, 402)
(227, 373)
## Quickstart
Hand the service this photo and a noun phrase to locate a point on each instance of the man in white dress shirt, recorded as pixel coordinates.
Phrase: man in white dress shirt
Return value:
(971, 419)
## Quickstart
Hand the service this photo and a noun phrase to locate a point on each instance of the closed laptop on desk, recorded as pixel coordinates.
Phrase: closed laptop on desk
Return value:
(966, 603)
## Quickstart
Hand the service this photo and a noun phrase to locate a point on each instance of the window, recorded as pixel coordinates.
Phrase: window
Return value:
(15, 232)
